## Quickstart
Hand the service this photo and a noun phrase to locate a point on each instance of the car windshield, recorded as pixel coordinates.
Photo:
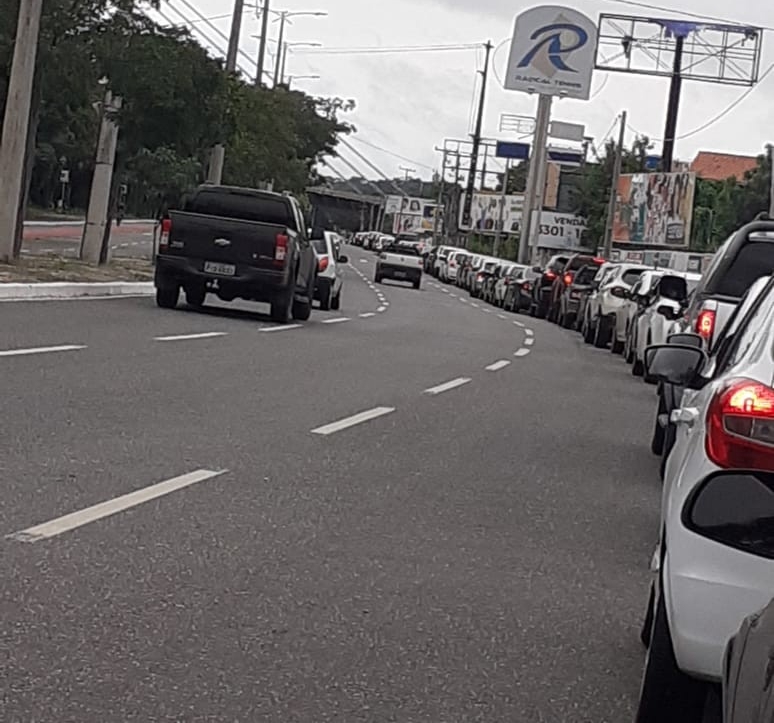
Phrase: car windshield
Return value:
(630, 276)
(585, 276)
(755, 259)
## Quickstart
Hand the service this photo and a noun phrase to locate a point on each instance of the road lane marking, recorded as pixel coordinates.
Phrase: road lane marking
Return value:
(385, 303)
(529, 341)
(363, 261)
(474, 304)
(367, 315)
(464, 301)
(42, 350)
(454, 296)
(186, 337)
(487, 311)
(529, 332)
(497, 366)
(502, 316)
(283, 327)
(519, 324)
(352, 421)
(338, 320)
(83, 517)
(381, 309)
(445, 291)
(448, 386)
(522, 352)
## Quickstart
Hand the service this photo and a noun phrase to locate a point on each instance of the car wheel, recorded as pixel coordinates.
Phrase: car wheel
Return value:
(325, 300)
(669, 442)
(600, 340)
(301, 310)
(648, 379)
(628, 349)
(647, 624)
(616, 346)
(167, 296)
(588, 332)
(195, 295)
(657, 443)
(417, 284)
(567, 321)
(336, 301)
(378, 279)
(667, 695)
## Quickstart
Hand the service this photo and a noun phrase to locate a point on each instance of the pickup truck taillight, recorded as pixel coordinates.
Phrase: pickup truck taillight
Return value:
(322, 263)
(166, 230)
(280, 249)
(705, 323)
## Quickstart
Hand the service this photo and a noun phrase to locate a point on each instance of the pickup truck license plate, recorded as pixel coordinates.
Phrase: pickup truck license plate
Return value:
(400, 274)
(212, 267)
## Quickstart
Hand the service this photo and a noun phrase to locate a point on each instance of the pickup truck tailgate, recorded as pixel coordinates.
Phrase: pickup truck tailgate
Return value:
(217, 239)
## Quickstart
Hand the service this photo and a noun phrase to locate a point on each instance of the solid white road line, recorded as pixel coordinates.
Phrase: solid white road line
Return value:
(284, 327)
(42, 350)
(111, 507)
(354, 420)
(522, 352)
(447, 386)
(529, 332)
(497, 366)
(335, 321)
(186, 337)
(367, 315)
(529, 341)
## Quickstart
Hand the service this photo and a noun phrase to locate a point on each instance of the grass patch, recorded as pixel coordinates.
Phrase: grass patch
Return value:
(31, 269)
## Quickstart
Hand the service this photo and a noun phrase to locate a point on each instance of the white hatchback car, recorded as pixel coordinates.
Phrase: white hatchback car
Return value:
(715, 557)
(330, 264)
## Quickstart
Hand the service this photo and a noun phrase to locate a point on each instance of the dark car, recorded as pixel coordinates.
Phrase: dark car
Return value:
(541, 288)
(518, 295)
(479, 278)
(565, 279)
(748, 672)
(572, 295)
(237, 243)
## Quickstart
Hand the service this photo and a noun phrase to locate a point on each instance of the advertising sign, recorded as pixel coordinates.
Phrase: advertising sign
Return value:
(559, 230)
(515, 151)
(552, 52)
(411, 215)
(654, 209)
(485, 213)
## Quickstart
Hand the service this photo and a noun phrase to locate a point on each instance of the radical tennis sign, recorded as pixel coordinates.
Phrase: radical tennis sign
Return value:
(553, 52)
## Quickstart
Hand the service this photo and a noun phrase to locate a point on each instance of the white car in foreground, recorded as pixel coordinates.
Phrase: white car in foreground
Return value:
(715, 558)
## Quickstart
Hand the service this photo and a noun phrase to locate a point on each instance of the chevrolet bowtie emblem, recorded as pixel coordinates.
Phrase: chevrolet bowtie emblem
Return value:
(222, 242)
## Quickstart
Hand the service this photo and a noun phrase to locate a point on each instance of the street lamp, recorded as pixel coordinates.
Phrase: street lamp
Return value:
(284, 16)
(291, 78)
(284, 51)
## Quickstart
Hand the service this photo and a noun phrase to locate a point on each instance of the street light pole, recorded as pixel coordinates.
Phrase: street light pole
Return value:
(262, 43)
(284, 60)
(280, 42)
(16, 122)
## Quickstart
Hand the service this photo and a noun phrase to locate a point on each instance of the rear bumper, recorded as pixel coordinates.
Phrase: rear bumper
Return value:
(248, 283)
(399, 273)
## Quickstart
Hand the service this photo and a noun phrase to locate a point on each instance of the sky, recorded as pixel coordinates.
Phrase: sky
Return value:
(408, 102)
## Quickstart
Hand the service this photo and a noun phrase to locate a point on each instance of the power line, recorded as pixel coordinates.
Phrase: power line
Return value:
(720, 115)
(376, 50)
(391, 153)
(371, 165)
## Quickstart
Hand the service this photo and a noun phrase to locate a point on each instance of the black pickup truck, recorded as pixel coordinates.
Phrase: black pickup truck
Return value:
(237, 243)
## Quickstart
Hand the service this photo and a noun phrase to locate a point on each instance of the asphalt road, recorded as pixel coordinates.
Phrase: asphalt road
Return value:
(129, 240)
(475, 550)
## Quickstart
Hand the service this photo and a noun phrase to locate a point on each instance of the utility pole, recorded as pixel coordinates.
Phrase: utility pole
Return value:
(501, 214)
(262, 43)
(533, 198)
(670, 130)
(476, 140)
(406, 170)
(439, 205)
(278, 62)
(284, 60)
(99, 200)
(16, 122)
(218, 155)
(771, 181)
(614, 188)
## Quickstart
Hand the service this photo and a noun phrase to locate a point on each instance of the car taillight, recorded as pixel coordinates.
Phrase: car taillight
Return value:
(740, 426)
(705, 324)
(480, 276)
(322, 263)
(618, 292)
(452, 263)
(280, 249)
(527, 286)
(166, 230)
(550, 275)
(567, 279)
(420, 262)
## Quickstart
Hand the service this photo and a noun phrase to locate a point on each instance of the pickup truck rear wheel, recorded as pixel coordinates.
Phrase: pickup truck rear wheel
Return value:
(281, 307)
(417, 283)
(167, 296)
(195, 296)
(302, 309)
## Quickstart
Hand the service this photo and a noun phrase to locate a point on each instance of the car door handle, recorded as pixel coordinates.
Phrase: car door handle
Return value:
(685, 415)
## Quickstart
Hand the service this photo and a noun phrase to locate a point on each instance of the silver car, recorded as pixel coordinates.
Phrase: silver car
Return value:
(330, 263)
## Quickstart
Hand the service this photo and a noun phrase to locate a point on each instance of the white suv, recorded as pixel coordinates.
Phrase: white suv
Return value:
(715, 559)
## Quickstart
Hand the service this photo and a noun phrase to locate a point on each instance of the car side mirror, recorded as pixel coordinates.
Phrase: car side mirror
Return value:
(537, 269)
(666, 311)
(343, 259)
(674, 363)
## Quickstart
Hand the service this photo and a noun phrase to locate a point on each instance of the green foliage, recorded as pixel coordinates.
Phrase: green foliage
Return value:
(177, 103)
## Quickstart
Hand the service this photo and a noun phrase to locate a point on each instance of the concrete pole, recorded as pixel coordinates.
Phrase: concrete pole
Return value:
(441, 185)
(541, 141)
(280, 42)
(16, 122)
(501, 214)
(534, 192)
(218, 155)
(99, 200)
(608, 245)
(771, 183)
(284, 60)
(262, 43)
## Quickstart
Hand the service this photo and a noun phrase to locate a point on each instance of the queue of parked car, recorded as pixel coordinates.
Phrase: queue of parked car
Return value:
(706, 344)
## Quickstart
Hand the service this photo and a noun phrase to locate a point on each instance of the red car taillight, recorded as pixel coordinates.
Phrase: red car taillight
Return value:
(280, 249)
(166, 230)
(322, 263)
(479, 277)
(550, 275)
(568, 279)
(740, 426)
(527, 287)
(705, 324)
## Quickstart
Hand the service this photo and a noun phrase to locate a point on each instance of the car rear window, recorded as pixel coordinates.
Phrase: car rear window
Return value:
(320, 245)
(243, 206)
(630, 277)
(404, 249)
(578, 262)
(673, 287)
(489, 266)
(755, 259)
(586, 275)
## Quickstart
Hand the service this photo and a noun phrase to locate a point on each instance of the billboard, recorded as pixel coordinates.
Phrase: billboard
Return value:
(552, 52)
(654, 209)
(411, 214)
(485, 213)
(559, 230)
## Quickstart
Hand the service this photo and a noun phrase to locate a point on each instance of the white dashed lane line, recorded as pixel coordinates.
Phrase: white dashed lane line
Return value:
(83, 517)
(529, 332)
(42, 350)
(502, 316)
(338, 320)
(381, 309)
(353, 421)
(522, 352)
(529, 341)
(188, 337)
(284, 327)
(367, 315)
(497, 366)
(519, 324)
(448, 386)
